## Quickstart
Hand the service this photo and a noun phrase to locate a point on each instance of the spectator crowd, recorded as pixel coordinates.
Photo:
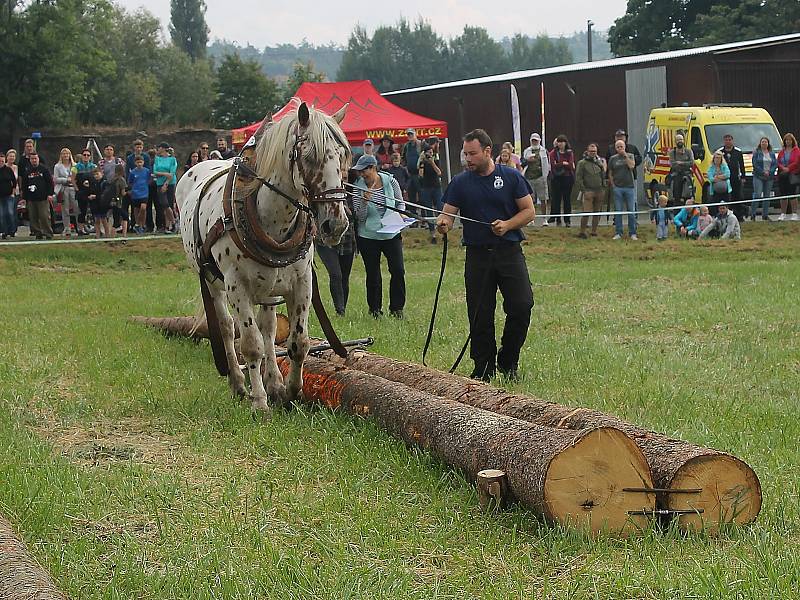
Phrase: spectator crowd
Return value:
(82, 197)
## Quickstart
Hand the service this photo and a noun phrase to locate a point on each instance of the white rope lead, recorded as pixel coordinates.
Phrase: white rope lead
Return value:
(610, 213)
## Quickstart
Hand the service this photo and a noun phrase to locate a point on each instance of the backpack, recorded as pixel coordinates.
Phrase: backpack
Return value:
(110, 196)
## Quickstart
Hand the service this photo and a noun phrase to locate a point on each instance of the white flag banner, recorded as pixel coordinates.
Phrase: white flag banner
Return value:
(515, 121)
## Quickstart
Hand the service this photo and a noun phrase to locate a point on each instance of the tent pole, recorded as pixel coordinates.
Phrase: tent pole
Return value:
(447, 157)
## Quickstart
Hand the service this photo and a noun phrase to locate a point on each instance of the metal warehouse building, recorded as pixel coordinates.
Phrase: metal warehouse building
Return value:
(589, 101)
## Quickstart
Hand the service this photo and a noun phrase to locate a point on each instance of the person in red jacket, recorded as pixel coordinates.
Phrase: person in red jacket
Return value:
(789, 175)
(562, 174)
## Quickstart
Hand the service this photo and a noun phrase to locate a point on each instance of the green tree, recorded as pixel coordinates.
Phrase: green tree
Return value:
(301, 73)
(539, 52)
(474, 54)
(398, 56)
(748, 19)
(47, 81)
(187, 88)
(649, 26)
(188, 27)
(129, 91)
(243, 94)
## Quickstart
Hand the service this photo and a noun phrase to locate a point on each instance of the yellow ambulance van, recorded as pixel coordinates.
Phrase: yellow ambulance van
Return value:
(702, 128)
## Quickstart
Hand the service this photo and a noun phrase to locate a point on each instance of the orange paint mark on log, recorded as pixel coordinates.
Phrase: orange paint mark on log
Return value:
(317, 387)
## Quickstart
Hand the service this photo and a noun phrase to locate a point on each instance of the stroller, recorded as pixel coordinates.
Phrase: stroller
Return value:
(681, 184)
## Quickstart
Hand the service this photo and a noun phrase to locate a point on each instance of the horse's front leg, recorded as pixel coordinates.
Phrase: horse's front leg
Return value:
(273, 380)
(251, 343)
(298, 305)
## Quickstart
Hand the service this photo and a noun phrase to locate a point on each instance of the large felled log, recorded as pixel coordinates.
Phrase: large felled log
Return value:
(573, 477)
(21, 577)
(197, 329)
(729, 489)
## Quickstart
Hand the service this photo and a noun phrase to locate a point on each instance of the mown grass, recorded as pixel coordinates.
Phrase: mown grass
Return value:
(131, 473)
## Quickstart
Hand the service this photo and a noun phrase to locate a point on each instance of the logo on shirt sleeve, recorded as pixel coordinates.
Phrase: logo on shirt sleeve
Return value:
(498, 182)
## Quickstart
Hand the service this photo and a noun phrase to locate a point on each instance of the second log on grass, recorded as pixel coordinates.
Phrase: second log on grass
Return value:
(572, 477)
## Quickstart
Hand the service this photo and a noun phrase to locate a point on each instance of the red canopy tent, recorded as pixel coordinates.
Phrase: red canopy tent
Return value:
(369, 114)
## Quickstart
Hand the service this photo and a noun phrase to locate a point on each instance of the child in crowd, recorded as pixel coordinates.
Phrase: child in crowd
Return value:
(98, 204)
(119, 201)
(705, 219)
(139, 181)
(660, 218)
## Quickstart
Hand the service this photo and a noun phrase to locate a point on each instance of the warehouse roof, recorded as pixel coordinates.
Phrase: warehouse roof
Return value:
(611, 62)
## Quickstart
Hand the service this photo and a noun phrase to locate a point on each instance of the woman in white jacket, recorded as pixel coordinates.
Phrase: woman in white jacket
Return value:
(64, 188)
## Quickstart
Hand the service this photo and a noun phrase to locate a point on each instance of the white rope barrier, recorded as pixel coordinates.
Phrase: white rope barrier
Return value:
(89, 240)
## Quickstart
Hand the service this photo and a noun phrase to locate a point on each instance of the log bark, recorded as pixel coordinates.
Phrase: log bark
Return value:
(730, 489)
(197, 329)
(21, 577)
(569, 476)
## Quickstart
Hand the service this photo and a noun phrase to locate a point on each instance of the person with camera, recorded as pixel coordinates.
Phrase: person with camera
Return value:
(430, 175)
(500, 198)
(621, 169)
(36, 185)
(590, 181)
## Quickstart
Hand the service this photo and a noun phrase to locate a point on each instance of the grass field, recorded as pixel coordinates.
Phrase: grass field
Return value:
(131, 473)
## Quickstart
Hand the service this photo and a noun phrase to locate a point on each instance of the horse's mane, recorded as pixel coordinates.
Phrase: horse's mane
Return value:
(276, 142)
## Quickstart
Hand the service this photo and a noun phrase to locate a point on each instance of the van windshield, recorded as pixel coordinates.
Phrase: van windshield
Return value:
(745, 135)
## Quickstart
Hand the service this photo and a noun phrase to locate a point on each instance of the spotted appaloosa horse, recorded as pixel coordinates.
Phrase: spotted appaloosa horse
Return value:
(304, 155)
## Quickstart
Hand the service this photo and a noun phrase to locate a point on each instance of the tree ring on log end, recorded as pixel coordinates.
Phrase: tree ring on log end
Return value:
(731, 492)
(584, 483)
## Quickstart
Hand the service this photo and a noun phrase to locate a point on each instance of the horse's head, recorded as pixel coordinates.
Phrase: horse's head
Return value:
(319, 160)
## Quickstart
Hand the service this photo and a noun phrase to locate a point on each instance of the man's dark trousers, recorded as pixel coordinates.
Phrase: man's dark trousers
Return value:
(485, 270)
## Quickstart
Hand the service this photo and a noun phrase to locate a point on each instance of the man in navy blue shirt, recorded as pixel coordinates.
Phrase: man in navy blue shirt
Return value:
(500, 198)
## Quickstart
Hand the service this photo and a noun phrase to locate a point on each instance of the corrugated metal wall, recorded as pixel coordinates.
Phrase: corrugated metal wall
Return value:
(773, 84)
(645, 89)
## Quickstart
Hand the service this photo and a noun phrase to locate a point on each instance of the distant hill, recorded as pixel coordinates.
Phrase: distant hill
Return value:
(277, 61)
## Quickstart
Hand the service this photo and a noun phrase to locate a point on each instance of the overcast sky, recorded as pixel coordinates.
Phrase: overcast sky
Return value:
(270, 22)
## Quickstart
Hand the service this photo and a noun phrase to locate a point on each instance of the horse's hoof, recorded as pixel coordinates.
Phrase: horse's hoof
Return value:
(287, 399)
(261, 409)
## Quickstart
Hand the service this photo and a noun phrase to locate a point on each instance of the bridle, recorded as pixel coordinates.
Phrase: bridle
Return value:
(332, 195)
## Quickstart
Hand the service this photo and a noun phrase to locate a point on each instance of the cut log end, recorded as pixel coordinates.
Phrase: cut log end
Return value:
(730, 492)
(585, 482)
